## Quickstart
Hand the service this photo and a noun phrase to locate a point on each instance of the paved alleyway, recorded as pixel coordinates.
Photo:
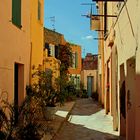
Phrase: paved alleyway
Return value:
(87, 122)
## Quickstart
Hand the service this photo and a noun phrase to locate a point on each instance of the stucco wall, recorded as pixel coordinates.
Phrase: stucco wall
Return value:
(37, 33)
(137, 97)
(14, 46)
(85, 73)
(53, 64)
(52, 37)
(127, 41)
(101, 77)
(76, 48)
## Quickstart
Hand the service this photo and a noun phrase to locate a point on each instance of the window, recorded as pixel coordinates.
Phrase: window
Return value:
(75, 60)
(72, 78)
(48, 48)
(52, 50)
(39, 10)
(56, 52)
(78, 82)
(16, 12)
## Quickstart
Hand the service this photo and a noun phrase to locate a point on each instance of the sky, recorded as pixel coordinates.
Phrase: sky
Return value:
(70, 22)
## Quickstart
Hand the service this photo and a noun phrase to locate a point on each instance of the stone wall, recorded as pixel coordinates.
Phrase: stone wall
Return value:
(52, 37)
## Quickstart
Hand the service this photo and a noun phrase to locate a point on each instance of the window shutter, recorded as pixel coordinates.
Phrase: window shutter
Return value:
(39, 10)
(73, 60)
(16, 12)
(56, 52)
(76, 60)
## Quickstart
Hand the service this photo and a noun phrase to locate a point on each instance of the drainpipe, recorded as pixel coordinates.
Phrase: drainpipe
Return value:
(30, 67)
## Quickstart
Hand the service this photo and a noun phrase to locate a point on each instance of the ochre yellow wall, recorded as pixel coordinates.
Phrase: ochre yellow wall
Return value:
(53, 64)
(37, 34)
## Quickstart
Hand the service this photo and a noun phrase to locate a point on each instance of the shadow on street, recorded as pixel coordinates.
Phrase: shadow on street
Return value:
(87, 122)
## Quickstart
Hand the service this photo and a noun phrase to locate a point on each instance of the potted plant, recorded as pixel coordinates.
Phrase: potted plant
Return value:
(49, 101)
(47, 95)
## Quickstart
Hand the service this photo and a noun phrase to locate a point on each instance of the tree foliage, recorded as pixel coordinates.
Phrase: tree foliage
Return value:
(65, 56)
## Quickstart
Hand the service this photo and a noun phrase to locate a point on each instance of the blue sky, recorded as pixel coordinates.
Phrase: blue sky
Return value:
(68, 21)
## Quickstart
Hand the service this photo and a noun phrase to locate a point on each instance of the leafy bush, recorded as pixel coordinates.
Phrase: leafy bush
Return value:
(44, 88)
(70, 91)
(26, 127)
(84, 94)
(67, 90)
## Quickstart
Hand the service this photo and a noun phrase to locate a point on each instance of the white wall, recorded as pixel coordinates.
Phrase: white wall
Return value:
(127, 41)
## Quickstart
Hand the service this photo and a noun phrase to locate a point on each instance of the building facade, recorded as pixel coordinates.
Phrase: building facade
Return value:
(52, 42)
(97, 24)
(75, 70)
(53, 64)
(121, 55)
(89, 73)
(36, 35)
(14, 49)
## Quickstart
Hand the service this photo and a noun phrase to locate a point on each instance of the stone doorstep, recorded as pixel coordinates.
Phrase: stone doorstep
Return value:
(56, 124)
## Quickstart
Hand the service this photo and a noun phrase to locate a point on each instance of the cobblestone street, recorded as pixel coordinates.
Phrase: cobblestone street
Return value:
(87, 121)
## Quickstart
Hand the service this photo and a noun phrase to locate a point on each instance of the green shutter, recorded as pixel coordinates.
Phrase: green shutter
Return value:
(39, 10)
(76, 60)
(16, 12)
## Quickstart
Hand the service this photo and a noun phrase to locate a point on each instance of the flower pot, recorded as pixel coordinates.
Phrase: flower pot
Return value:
(50, 113)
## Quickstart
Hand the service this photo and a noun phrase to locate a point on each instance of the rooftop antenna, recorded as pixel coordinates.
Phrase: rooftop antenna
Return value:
(84, 51)
(52, 19)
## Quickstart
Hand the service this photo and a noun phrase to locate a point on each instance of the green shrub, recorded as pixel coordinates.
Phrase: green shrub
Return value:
(22, 127)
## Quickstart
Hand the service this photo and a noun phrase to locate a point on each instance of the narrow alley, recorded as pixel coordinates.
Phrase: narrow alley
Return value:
(69, 70)
(87, 121)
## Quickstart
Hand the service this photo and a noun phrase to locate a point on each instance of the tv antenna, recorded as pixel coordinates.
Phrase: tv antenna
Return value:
(52, 19)
(83, 51)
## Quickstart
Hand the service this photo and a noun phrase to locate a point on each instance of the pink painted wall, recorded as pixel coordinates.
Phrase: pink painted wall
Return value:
(14, 47)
